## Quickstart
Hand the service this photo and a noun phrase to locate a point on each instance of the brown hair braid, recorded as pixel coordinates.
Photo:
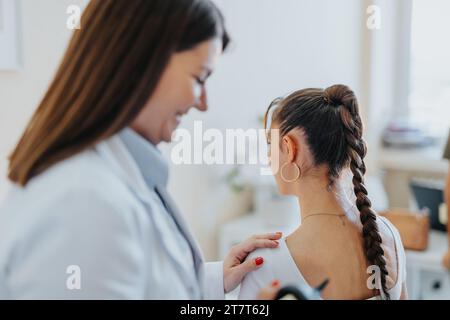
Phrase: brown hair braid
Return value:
(345, 100)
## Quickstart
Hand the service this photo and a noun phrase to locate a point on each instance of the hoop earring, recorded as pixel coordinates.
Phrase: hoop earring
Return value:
(299, 173)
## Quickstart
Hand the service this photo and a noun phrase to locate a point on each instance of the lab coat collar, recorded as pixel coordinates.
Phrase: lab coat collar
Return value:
(148, 158)
(155, 170)
(116, 154)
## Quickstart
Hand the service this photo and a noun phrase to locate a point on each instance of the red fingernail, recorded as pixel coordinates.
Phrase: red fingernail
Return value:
(280, 233)
(259, 261)
(275, 283)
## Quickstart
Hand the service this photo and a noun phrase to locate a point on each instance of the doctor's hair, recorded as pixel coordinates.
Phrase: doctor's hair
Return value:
(333, 129)
(110, 70)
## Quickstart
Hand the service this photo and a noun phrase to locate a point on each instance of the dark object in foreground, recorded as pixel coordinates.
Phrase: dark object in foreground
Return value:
(298, 294)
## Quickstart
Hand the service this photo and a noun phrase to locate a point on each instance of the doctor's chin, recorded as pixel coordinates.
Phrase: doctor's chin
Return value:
(224, 154)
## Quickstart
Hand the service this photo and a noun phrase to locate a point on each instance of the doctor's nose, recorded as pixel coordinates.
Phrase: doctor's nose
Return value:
(202, 103)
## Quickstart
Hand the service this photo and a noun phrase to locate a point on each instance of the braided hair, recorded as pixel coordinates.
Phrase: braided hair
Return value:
(333, 129)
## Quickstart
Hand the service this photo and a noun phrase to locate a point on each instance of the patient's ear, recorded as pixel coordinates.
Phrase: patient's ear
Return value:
(290, 147)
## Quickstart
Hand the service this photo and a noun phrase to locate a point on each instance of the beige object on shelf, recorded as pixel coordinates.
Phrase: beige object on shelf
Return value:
(446, 259)
(412, 226)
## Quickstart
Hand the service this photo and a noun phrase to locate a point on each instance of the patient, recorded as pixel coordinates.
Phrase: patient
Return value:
(321, 161)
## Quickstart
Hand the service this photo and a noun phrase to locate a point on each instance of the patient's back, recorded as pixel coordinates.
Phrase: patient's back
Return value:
(314, 253)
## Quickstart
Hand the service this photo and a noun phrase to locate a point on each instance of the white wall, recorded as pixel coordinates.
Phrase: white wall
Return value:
(278, 46)
(43, 39)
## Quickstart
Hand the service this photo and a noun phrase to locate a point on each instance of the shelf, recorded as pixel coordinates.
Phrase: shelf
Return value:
(430, 259)
(422, 160)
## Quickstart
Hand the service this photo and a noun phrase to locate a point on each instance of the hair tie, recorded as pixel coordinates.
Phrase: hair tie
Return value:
(332, 102)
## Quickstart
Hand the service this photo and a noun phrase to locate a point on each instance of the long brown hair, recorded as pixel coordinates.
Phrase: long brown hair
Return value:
(333, 128)
(110, 70)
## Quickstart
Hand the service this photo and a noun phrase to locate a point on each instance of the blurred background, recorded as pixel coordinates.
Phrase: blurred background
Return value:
(393, 54)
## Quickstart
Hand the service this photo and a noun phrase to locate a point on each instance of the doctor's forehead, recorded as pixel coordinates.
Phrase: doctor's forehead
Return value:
(206, 54)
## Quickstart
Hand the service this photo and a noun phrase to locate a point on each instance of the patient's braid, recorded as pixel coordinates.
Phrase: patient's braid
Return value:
(344, 99)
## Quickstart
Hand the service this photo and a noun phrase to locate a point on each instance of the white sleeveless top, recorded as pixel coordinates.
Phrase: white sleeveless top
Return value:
(279, 265)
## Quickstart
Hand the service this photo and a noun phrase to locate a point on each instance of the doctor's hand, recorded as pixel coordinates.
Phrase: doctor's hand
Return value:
(235, 267)
(270, 292)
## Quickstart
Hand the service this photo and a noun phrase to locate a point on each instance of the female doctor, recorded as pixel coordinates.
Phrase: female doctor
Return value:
(89, 216)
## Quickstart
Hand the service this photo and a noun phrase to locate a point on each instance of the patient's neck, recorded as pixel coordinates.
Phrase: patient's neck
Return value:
(315, 197)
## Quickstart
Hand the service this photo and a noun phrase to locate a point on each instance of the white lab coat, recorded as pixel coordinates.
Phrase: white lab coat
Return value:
(90, 228)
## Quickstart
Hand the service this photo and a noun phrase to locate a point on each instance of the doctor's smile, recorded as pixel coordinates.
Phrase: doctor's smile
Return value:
(196, 150)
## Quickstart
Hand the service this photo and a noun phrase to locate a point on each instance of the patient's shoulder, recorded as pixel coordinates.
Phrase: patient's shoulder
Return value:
(394, 252)
(272, 259)
(264, 275)
(278, 265)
